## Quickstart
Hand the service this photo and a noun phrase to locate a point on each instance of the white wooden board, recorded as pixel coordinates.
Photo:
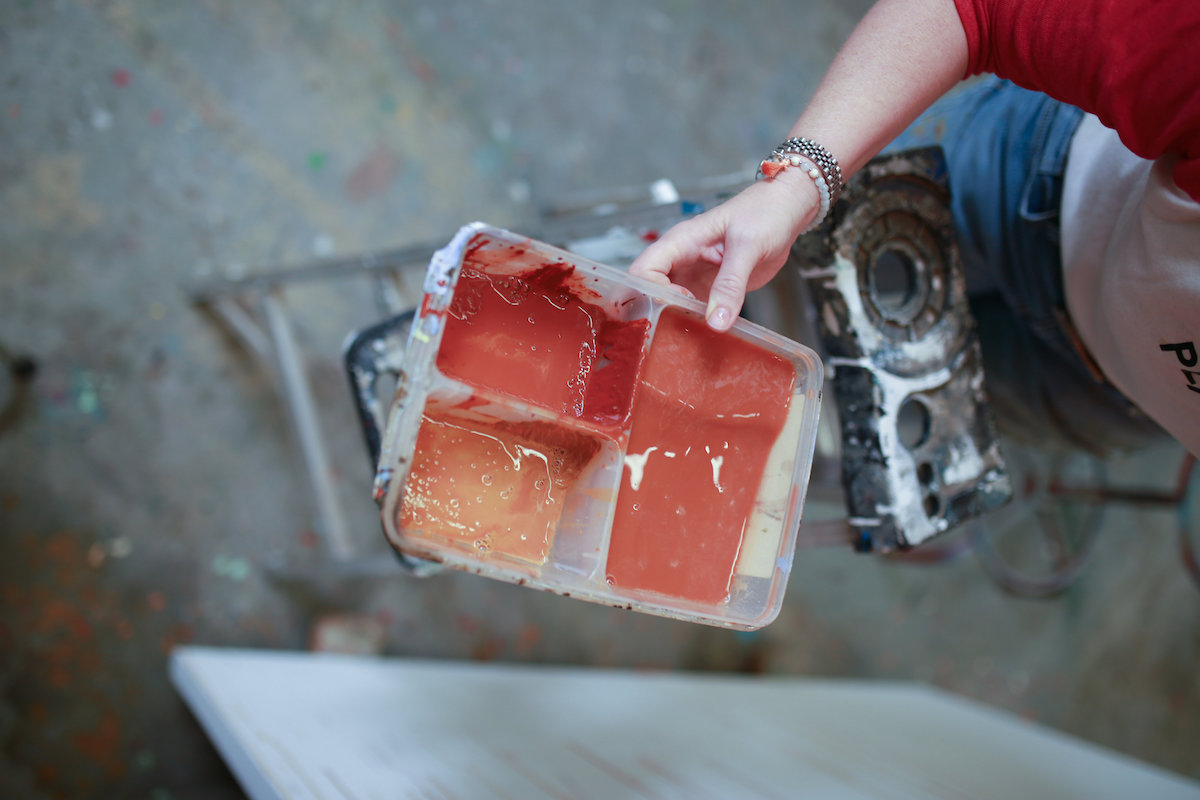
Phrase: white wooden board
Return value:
(295, 725)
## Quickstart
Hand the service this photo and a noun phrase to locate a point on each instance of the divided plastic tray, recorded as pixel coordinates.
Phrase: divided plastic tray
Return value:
(565, 426)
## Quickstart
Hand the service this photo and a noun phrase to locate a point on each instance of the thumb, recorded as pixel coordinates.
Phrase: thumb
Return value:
(728, 290)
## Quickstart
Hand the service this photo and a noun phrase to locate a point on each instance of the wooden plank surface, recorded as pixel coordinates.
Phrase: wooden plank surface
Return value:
(293, 725)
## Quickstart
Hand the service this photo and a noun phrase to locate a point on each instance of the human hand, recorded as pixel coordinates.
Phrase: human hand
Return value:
(733, 248)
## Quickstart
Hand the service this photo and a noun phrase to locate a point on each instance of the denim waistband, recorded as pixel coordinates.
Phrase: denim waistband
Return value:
(1006, 152)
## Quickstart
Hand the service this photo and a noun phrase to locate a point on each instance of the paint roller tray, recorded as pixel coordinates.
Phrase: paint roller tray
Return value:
(563, 425)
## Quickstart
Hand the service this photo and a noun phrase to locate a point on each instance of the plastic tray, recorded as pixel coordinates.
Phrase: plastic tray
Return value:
(563, 425)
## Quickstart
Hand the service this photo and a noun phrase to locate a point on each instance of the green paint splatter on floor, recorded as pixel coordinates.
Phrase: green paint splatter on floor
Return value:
(143, 761)
(231, 567)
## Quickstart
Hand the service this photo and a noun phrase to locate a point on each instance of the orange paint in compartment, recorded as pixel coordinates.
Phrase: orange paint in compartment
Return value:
(708, 413)
(569, 428)
(492, 487)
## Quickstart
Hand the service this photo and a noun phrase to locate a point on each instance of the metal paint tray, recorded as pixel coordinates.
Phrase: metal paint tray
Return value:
(510, 472)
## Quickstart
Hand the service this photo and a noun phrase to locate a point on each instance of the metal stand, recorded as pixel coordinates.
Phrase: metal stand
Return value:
(255, 310)
(1039, 546)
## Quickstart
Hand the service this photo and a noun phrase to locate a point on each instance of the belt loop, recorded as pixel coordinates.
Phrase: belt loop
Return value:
(1064, 320)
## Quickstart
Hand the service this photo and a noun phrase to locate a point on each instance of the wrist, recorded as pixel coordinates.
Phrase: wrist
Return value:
(803, 157)
(803, 197)
(787, 203)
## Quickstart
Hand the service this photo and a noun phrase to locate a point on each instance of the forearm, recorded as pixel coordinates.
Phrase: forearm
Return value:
(901, 57)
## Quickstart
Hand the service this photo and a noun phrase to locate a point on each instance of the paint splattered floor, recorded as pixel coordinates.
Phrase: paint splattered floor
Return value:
(148, 478)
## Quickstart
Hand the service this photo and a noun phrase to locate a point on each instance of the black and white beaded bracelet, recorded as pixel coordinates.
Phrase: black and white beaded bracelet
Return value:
(817, 162)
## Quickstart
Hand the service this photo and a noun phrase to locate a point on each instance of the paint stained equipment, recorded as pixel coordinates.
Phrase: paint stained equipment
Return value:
(919, 447)
(562, 425)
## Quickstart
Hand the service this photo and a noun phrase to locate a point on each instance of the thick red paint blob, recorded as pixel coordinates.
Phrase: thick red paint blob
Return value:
(708, 412)
(533, 336)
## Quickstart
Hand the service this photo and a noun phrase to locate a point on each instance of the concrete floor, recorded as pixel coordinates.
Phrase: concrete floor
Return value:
(150, 474)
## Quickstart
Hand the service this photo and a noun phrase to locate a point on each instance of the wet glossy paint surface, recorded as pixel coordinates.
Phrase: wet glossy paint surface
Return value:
(492, 487)
(535, 336)
(708, 411)
(529, 329)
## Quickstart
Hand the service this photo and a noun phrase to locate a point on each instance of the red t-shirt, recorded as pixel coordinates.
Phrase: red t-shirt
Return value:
(1135, 64)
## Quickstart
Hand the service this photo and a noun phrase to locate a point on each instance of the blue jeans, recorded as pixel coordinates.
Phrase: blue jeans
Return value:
(1006, 153)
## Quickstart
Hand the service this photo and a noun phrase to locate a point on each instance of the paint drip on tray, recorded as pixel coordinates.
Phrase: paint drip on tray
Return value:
(584, 436)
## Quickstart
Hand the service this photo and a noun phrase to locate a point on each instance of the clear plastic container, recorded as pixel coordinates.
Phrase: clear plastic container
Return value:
(563, 425)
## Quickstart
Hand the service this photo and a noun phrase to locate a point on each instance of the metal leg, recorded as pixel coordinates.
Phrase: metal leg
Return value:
(234, 314)
(298, 394)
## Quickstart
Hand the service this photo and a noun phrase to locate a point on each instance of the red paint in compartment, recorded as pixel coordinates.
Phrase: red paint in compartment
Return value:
(531, 331)
(527, 328)
(708, 412)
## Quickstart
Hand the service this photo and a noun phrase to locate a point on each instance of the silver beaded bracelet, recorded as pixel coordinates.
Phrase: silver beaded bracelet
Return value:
(817, 162)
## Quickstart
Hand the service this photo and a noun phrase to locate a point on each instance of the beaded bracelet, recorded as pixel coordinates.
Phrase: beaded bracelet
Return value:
(817, 162)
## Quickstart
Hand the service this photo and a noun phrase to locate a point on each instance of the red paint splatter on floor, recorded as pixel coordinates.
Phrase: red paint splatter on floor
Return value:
(60, 617)
(528, 637)
(421, 69)
(373, 175)
(121, 78)
(83, 652)
(487, 650)
(102, 744)
(175, 635)
(156, 117)
(416, 65)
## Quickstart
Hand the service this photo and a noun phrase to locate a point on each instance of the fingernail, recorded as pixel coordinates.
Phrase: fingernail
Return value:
(718, 316)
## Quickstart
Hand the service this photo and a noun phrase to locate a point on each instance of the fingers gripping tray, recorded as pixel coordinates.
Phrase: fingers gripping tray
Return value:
(562, 425)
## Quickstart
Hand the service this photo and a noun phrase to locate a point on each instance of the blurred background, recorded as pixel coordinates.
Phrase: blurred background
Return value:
(150, 482)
